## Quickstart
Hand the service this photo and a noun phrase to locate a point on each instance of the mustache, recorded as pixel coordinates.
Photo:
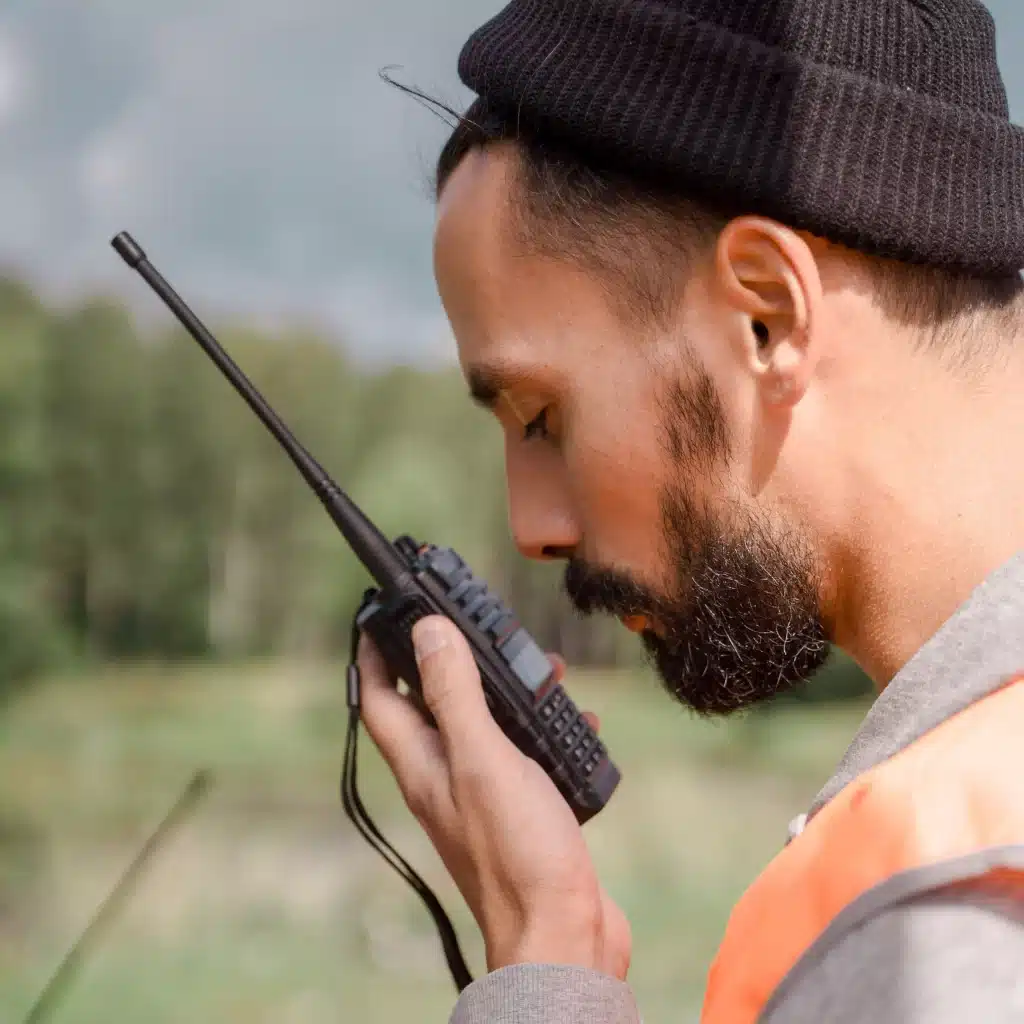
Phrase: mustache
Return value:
(595, 589)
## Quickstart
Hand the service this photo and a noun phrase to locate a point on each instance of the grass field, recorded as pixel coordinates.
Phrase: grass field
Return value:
(268, 907)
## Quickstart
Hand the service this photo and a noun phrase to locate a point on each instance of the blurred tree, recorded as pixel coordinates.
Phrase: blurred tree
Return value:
(273, 550)
(30, 637)
(94, 402)
(182, 494)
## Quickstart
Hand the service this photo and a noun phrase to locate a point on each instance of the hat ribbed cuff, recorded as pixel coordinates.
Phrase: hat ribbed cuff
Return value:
(648, 89)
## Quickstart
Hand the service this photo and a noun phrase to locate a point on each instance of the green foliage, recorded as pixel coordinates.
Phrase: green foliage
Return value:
(31, 640)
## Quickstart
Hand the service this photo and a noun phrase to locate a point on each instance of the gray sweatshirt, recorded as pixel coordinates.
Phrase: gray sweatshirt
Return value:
(935, 946)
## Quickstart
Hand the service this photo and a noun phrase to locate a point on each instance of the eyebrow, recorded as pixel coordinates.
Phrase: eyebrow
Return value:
(487, 382)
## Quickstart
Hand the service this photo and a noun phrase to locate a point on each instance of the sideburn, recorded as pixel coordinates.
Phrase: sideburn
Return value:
(744, 623)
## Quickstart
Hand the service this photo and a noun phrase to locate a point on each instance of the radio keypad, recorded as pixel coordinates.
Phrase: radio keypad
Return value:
(570, 732)
(565, 729)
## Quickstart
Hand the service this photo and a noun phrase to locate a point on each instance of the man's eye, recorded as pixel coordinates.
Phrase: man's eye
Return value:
(537, 427)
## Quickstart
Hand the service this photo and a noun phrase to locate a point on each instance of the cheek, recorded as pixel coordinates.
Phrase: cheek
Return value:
(617, 468)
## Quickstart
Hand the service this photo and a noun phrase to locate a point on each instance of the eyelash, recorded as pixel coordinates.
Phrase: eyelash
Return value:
(537, 427)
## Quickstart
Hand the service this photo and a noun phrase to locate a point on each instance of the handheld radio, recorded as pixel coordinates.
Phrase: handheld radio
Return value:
(415, 580)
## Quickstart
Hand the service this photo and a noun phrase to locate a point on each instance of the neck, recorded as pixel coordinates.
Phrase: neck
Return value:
(938, 506)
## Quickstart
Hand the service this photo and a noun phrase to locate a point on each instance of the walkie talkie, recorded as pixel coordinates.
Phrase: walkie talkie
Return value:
(419, 579)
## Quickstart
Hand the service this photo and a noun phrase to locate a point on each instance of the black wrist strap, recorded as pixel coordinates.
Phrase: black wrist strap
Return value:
(361, 819)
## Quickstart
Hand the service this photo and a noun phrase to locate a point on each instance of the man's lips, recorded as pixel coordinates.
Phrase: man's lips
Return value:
(641, 624)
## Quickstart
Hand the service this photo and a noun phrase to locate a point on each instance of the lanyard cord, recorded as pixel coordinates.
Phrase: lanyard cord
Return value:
(361, 819)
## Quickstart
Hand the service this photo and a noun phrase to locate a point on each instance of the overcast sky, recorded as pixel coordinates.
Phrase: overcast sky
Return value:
(251, 148)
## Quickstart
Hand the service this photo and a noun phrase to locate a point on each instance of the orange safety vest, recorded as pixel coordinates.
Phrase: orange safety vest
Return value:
(956, 791)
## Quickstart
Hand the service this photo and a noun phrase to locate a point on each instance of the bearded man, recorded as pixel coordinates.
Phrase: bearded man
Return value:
(740, 281)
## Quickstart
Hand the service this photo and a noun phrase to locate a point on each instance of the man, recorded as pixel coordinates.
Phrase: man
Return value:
(740, 280)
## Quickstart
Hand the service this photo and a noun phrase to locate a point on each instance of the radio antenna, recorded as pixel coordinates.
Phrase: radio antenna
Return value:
(372, 548)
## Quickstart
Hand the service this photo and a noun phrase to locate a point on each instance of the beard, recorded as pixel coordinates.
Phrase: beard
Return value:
(743, 620)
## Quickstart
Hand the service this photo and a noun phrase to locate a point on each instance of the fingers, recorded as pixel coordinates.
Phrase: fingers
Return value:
(558, 664)
(410, 747)
(452, 689)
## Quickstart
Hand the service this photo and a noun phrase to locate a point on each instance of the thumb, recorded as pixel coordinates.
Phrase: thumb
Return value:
(451, 686)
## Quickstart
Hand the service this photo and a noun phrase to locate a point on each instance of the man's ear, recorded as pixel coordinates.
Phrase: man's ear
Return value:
(768, 276)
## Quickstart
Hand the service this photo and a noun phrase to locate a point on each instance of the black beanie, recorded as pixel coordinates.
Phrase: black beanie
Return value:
(879, 124)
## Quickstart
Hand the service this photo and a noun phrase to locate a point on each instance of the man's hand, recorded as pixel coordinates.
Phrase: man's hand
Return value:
(504, 832)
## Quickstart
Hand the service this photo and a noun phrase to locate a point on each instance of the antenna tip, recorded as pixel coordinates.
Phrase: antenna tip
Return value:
(128, 249)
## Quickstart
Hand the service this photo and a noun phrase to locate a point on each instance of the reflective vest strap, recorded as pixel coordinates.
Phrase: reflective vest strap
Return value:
(954, 792)
(1002, 868)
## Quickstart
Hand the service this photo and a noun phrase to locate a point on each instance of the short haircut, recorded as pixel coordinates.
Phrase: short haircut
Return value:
(638, 232)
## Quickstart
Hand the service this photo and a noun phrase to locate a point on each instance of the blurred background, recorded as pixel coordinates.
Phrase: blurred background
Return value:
(173, 598)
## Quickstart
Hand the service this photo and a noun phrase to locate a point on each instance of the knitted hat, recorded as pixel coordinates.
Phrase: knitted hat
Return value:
(879, 124)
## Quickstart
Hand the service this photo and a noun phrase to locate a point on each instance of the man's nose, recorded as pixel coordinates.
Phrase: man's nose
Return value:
(541, 518)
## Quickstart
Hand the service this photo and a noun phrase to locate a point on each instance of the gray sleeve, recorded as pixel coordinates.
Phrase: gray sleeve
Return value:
(546, 994)
(947, 957)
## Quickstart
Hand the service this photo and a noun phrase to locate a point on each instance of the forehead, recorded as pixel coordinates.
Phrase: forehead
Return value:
(519, 317)
(472, 239)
